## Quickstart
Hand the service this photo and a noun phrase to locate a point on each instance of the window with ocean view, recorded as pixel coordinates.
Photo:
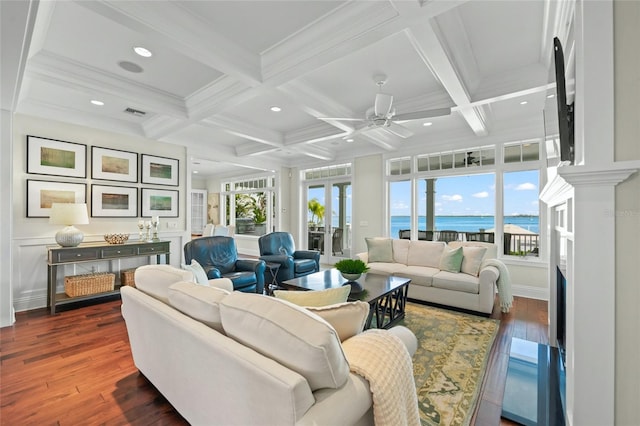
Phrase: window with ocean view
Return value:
(249, 205)
(451, 196)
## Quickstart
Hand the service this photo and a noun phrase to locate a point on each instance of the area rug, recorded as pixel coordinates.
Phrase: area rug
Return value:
(450, 363)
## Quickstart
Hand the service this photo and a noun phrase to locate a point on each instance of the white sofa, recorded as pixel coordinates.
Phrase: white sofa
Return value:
(212, 366)
(420, 261)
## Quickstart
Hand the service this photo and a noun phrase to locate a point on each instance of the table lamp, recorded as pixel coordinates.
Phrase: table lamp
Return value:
(69, 214)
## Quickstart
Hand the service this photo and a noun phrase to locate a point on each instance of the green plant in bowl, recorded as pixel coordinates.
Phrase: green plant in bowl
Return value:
(351, 266)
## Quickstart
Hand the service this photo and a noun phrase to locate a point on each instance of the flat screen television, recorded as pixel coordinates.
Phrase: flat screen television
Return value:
(565, 112)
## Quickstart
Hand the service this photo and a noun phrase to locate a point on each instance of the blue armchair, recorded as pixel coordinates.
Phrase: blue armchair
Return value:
(219, 258)
(278, 247)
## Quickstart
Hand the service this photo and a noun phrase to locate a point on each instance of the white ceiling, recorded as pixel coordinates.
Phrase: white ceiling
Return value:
(218, 66)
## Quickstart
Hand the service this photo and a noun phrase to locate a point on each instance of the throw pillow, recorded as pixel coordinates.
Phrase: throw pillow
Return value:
(198, 272)
(289, 334)
(347, 318)
(198, 302)
(326, 297)
(451, 260)
(380, 249)
(471, 260)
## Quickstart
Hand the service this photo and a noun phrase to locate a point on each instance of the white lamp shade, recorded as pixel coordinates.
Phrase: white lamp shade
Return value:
(68, 214)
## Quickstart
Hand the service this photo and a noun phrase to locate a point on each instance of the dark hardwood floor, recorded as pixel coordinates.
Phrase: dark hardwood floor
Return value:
(76, 368)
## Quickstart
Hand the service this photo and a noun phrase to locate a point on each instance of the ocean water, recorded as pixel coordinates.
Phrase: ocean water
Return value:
(465, 223)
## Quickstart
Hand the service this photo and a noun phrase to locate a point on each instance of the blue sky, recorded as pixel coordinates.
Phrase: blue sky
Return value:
(472, 195)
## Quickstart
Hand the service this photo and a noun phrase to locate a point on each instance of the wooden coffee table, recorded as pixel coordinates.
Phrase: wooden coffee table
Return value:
(387, 296)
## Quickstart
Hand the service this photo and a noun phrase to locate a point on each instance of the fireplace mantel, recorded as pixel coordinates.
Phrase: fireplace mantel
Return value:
(581, 211)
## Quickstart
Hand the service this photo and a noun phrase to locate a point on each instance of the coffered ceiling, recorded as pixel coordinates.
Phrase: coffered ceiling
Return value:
(217, 67)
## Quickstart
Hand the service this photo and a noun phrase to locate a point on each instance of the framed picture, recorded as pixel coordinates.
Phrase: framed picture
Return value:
(56, 158)
(114, 201)
(159, 202)
(41, 194)
(159, 170)
(112, 164)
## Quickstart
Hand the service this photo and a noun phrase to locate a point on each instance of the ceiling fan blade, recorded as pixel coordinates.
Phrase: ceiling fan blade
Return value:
(418, 115)
(341, 119)
(382, 105)
(398, 130)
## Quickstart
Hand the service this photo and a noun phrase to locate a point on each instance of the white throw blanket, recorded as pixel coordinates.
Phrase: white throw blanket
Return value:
(382, 359)
(503, 282)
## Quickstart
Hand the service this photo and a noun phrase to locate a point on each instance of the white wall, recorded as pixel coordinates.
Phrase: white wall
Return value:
(627, 211)
(32, 235)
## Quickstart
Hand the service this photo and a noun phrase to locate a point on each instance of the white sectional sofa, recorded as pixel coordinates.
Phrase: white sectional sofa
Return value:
(473, 288)
(233, 358)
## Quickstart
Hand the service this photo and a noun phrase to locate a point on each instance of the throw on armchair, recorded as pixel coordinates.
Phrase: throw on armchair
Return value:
(219, 259)
(278, 247)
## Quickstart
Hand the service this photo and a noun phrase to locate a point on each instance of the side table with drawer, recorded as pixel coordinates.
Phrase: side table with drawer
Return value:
(92, 252)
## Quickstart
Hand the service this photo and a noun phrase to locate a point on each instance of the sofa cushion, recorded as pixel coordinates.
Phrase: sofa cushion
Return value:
(326, 297)
(401, 251)
(384, 268)
(347, 318)
(380, 249)
(492, 249)
(471, 259)
(425, 253)
(288, 334)
(451, 260)
(457, 282)
(303, 266)
(419, 275)
(202, 303)
(198, 272)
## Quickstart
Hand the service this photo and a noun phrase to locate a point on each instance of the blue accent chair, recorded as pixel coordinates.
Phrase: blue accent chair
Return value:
(278, 247)
(218, 256)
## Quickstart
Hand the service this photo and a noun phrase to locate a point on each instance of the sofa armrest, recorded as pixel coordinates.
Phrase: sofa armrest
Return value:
(284, 260)
(212, 272)
(223, 283)
(363, 256)
(250, 265)
(307, 254)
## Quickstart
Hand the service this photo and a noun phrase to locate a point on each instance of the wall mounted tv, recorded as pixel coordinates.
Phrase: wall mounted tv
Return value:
(565, 112)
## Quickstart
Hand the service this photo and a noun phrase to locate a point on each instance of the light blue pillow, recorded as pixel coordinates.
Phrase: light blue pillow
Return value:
(451, 260)
(198, 272)
(380, 249)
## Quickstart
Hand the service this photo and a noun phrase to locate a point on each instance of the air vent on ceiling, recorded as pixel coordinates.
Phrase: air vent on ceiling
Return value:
(135, 112)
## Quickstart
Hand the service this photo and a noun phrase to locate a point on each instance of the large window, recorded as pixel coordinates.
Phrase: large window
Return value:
(452, 196)
(249, 205)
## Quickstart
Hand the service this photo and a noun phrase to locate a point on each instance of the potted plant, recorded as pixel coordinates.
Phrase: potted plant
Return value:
(351, 269)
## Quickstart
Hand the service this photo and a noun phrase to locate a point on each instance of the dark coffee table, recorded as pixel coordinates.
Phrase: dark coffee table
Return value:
(387, 296)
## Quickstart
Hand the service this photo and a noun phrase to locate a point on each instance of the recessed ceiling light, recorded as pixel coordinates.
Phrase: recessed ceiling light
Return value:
(349, 140)
(97, 102)
(145, 53)
(427, 124)
(195, 171)
(524, 103)
(551, 95)
(275, 109)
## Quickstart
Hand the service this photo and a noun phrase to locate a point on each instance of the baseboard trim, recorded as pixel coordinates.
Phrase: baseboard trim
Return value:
(530, 292)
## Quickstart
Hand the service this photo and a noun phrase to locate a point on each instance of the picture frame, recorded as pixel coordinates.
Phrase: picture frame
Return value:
(41, 194)
(114, 201)
(114, 164)
(160, 170)
(159, 202)
(56, 158)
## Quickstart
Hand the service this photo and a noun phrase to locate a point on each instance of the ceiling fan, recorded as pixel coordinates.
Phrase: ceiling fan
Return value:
(382, 115)
(470, 160)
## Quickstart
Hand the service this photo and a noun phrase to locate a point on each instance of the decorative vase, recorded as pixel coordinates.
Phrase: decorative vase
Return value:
(350, 277)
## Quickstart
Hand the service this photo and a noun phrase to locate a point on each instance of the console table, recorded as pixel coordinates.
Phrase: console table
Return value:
(93, 252)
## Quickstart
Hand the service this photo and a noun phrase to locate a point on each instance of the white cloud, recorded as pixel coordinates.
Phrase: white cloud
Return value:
(482, 194)
(526, 187)
(455, 197)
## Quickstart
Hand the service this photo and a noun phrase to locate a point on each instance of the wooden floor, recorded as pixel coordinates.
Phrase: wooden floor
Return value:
(76, 368)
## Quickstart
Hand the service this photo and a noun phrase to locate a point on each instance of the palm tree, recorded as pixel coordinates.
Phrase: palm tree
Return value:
(317, 211)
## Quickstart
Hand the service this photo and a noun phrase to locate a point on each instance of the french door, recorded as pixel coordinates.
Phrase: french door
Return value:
(328, 219)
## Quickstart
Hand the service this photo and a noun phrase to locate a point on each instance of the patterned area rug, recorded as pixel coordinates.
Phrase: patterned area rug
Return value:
(450, 363)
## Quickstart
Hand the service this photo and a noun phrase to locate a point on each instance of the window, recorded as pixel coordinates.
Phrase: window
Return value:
(452, 196)
(249, 205)
(521, 213)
